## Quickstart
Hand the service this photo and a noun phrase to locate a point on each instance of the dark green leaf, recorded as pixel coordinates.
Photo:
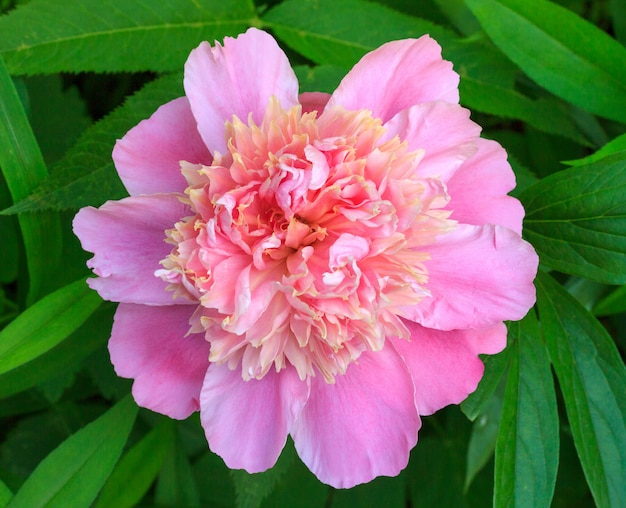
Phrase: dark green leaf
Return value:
(613, 303)
(387, 492)
(593, 381)
(73, 473)
(299, 487)
(176, 485)
(618, 16)
(614, 146)
(562, 52)
(138, 468)
(576, 219)
(322, 78)
(45, 324)
(49, 36)
(527, 448)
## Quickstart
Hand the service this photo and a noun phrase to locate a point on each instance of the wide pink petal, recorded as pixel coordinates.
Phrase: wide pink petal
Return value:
(247, 422)
(396, 76)
(148, 157)
(151, 345)
(237, 78)
(445, 366)
(479, 189)
(313, 101)
(127, 238)
(443, 130)
(478, 276)
(362, 426)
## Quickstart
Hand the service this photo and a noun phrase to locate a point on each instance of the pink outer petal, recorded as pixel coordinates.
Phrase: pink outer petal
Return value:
(443, 130)
(478, 190)
(148, 157)
(396, 76)
(478, 276)
(362, 426)
(247, 422)
(150, 345)
(313, 101)
(444, 365)
(128, 240)
(236, 79)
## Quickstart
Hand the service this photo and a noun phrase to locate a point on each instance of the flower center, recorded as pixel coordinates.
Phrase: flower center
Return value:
(306, 243)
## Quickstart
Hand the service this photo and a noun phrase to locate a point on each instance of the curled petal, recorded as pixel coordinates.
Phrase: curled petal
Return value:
(396, 76)
(151, 345)
(445, 366)
(363, 425)
(148, 157)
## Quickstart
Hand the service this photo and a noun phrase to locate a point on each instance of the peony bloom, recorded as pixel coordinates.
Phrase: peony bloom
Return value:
(322, 266)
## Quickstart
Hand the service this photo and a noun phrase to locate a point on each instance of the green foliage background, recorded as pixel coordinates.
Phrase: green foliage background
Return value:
(547, 79)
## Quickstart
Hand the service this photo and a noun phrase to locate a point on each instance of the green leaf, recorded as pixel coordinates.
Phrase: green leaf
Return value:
(340, 33)
(612, 147)
(593, 381)
(23, 167)
(618, 15)
(5, 495)
(138, 468)
(562, 52)
(48, 322)
(74, 472)
(176, 485)
(613, 303)
(527, 448)
(381, 491)
(70, 185)
(321, 78)
(576, 219)
(49, 36)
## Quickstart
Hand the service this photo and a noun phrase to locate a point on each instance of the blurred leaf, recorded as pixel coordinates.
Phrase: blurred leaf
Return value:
(321, 78)
(299, 487)
(340, 33)
(216, 480)
(49, 36)
(176, 485)
(562, 52)
(45, 324)
(483, 439)
(576, 219)
(593, 381)
(613, 303)
(617, 9)
(65, 357)
(5, 495)
(544, 114)
(73, 473)
(23, 167)
(495, 366)
(69, 184)
(381, 491)
(612, 147)
(527, 447)
(524, 177)
(251, 489)
(9, 246)
(138, 468)
(459, 15)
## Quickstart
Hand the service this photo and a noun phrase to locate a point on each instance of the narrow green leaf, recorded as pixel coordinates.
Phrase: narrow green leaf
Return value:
(5, 495)
(576, 219)
(74, 472)
(49, 36)
(613, 303)
(527, 448)
(23, 167)
(593, 381)
(562, 52)
(46, 323)
(70, 185)
(138, 468)
(340, 33)
(614, 146)
(176, 485)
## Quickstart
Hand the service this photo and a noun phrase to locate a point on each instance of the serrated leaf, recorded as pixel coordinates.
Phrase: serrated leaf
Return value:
(576, 219)
(45, 324)
(340, 33)
(593, 381)
(86, 174)
(562, 52)
(138, 468)
(527, 447)
(50, 36)
(74, 472)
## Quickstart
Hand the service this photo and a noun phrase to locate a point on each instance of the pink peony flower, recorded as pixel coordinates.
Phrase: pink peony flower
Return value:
(325, 266)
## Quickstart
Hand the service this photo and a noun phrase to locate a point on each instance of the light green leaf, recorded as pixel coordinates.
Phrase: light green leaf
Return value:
(340, 33)
(612, 147)
(527, 448)
(23, 168)
(49, 36)
(5, 495)
(74, 472)
(576, 219)
(138, 468)
(593, 381)
(613, 303)
(43, 325)
(70, 185)
(562, 52)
